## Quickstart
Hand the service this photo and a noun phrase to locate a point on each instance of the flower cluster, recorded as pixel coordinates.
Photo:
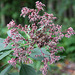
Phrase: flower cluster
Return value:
(39, 5)
(42, 32)
(11, 24)
(70, 31)
(7, 41)
(12, 61)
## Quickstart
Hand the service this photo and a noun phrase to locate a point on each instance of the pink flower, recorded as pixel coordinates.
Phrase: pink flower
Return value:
(7, 41)
(41, 32)
(39, 5)
(12, 62)
(11, 24)
(70, 32)
(24, 11)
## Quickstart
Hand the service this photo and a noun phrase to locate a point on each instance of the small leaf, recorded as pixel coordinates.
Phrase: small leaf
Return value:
(27, 70)
(6, 70)
(5, 54)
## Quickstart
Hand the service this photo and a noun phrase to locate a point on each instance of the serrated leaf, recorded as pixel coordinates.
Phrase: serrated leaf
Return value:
(27, 70)
(6, 70)
(5, 54)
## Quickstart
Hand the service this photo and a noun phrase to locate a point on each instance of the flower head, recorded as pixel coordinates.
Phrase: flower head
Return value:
(41, 33)
(11, 24)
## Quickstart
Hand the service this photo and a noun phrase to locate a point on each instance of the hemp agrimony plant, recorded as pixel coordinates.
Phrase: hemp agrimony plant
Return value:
(41, 41)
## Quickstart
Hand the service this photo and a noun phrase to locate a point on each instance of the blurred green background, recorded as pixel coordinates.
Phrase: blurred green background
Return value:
(64, 10)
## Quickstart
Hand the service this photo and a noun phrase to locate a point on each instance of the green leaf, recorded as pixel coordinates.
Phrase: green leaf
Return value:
(5, 54)
(6, 70)
(27, 70)
(37, 51)
(1, 67)
(2, 45)
(13, 73)
(37, 58)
